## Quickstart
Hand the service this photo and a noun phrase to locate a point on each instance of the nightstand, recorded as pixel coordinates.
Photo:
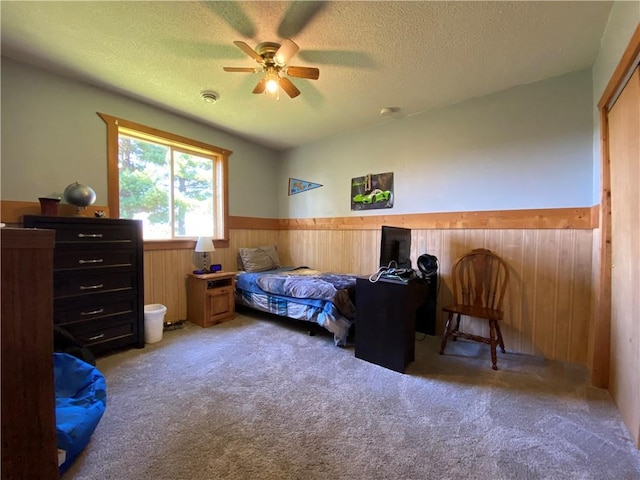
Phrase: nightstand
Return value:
(210, 298)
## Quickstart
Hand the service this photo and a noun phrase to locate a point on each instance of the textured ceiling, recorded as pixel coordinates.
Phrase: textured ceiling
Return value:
(412, 56)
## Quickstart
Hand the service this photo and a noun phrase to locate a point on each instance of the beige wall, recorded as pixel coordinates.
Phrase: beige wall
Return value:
(53, 136)
(528, 147)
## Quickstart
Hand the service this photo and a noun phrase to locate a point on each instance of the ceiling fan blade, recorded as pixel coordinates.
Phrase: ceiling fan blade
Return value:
(262, 84)
(234, 15)
(241, 69)
(289, 87)
(304, 72)
(298, 15)
(249, 51)
(287, 50)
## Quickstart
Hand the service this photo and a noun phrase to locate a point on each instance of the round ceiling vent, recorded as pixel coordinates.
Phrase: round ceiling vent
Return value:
(209, 97)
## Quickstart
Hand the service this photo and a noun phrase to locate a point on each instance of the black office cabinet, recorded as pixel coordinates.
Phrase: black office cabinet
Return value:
(385, 321)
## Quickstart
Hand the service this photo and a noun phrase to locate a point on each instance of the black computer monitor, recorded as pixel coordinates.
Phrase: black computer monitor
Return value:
(395, 246)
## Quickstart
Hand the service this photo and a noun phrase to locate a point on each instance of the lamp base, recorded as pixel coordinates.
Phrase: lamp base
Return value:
(200, 272)
(80, 212)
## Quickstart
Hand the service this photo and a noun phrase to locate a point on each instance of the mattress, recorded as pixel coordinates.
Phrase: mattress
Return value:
(302, 294)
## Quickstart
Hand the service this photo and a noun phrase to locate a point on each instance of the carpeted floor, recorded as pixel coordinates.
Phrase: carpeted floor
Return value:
(258, 398)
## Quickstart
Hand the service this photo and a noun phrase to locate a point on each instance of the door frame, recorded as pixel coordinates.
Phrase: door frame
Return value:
(602, 312)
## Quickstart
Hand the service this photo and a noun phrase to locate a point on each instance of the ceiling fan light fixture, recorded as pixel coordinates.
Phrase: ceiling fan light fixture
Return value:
(274, 57)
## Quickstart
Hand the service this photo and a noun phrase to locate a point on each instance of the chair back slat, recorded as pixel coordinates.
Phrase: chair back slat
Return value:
(480, 279)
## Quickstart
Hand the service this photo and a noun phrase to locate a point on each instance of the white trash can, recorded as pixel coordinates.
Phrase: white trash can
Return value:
(153, 322)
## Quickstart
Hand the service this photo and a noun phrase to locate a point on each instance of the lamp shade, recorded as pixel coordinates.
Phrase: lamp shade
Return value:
(205, 244)
(287, 50)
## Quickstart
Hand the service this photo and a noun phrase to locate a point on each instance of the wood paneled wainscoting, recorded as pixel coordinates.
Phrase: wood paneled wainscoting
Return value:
(553, 288)
(548, 310)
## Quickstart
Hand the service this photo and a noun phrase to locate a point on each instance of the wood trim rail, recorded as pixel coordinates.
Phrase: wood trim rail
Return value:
(553, 218)
(583, 218)
(252, 223)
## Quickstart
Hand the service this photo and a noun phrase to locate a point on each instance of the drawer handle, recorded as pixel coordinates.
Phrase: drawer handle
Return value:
(91, 287)
(89, 235)
(93, 312)
(97, 260)
(97, 337)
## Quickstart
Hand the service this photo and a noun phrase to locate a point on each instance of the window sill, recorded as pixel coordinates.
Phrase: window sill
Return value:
(150, 245)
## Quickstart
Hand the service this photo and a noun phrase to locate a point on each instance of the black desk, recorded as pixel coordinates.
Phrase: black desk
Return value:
(385, 321)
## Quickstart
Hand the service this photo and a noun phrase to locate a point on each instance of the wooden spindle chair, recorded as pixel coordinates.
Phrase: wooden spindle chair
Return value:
(480, 279)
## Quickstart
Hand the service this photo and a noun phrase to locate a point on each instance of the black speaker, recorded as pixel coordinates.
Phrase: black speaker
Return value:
(426, 313)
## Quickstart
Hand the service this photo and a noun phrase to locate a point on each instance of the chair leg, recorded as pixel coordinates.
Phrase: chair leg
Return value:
(447, 328)
(500, 340)
(492, 338)
(457, 329)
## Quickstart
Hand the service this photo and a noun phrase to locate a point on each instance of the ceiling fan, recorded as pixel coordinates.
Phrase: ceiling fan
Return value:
(273, 58)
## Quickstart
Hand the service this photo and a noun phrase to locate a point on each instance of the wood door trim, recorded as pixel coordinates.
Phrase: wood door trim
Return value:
(601, 332)
(626, 64)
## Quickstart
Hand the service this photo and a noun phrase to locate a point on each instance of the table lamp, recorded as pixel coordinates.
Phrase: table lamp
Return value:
(204, 245)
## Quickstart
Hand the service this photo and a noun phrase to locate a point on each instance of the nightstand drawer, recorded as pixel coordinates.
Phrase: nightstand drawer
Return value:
(221, 291)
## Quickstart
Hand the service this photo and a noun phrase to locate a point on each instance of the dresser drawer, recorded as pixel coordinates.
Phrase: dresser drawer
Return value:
(67, 284)
(94, 332)
(88, 230)
(96, 233)
(111, 307)
(92, 258)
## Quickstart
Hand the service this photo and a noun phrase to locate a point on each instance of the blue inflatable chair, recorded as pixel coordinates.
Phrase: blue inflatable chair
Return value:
(81, 397)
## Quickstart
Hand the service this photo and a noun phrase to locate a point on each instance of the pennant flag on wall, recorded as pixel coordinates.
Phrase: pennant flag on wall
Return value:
(299, 186)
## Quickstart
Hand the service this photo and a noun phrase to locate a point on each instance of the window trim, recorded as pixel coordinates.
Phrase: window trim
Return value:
(113, 177)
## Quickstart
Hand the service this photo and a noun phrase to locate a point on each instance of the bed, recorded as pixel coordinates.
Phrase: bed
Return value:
(300, 293)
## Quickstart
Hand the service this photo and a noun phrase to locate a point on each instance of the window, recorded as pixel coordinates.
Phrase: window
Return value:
(175, 185)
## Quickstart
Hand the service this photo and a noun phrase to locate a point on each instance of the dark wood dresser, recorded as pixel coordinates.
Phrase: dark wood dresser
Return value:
(28, 398)
(98, 279)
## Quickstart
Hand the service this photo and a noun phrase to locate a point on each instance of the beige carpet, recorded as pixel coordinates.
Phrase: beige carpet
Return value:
(258, 398)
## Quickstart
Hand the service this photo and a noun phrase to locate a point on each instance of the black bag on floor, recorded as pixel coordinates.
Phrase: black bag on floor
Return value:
(64, 342)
